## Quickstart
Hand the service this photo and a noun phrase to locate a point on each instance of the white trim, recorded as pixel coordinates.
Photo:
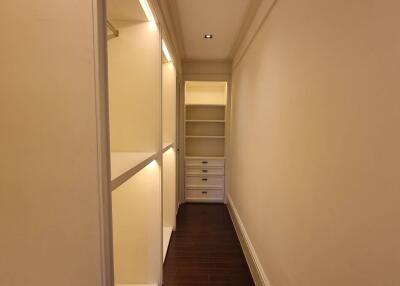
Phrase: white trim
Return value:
(259, 276)
(263, 12)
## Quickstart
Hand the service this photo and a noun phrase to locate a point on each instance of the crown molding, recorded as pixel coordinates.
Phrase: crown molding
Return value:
(162, 13)
(245, 25)
(174, 19)
(262, 14)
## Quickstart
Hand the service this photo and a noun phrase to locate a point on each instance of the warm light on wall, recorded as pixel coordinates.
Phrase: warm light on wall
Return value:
(166, 52)
(147, 10)
(153, 164)
(170, 149)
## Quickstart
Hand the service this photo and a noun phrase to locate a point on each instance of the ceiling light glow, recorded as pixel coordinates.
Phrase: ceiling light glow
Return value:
(165, 51)
(147, 10)
(208, 36)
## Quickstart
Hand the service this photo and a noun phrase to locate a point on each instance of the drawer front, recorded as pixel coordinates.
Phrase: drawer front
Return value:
(204, 171)
(205, 181)
(205, 162)
(204, 194)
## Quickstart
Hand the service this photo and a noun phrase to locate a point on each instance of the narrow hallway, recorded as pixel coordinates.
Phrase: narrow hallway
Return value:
(200, 143)
(205, 250)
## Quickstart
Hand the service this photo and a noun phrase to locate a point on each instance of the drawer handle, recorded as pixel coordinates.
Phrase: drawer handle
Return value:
(205, 162)
(204, 192)
(204, 171)
(205, 179)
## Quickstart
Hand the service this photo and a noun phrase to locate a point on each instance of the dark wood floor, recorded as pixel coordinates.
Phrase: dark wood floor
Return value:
(205, 250)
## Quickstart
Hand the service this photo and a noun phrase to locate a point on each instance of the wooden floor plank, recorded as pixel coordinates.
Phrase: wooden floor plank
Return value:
(204, 250)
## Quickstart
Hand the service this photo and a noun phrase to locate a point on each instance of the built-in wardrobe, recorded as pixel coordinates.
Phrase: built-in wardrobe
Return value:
(142, 112)
(88, 103)
(205, 128)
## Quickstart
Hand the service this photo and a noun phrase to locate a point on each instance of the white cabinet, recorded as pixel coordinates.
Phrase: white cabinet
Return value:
(204, 179)
(206, 195)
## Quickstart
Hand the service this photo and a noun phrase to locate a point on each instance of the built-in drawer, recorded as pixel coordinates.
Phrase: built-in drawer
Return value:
(204, 194)
(192, 170)
(205, 181)
(205, 162)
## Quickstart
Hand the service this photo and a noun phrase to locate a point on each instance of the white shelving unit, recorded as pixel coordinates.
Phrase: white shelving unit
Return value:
(100, 154)
(205, 117)
(136, 143)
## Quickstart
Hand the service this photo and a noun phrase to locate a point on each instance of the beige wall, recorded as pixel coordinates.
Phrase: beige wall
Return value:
(134, 78)
(315, 143)
(168, 103)
(136, 228)
(169, 188)
(51, 199)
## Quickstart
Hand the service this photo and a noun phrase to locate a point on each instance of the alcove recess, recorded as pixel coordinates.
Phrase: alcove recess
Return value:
(205, 104)
(169, 151)
(205, 115)
(134, 79)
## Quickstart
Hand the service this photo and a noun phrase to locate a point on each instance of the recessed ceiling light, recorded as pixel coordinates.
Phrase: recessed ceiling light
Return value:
(208, 36)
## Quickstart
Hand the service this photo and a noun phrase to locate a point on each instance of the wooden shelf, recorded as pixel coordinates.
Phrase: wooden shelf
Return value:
(206, 137)
(124, 165)
(206, 121)
(166, 146)
(167, 232)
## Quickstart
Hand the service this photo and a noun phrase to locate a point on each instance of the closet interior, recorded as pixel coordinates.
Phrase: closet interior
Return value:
(205, 129)
(142, 120)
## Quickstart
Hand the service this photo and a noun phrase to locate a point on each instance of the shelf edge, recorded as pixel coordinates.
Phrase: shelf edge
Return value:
(167, 146)
(205, 137)
(118, 181)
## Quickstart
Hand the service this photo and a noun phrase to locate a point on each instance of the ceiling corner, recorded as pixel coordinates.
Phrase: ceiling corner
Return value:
(172, 16)
(245, 25)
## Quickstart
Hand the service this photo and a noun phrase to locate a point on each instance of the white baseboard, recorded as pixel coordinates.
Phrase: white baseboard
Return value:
(259, 276)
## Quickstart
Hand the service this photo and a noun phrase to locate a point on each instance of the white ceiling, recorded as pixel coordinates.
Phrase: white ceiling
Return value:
(222, 18)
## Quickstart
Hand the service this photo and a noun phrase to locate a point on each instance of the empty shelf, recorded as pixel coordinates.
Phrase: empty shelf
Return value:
(206, 121)
(205, 104)
(167, 232)
(206, 137)
(126, 164)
